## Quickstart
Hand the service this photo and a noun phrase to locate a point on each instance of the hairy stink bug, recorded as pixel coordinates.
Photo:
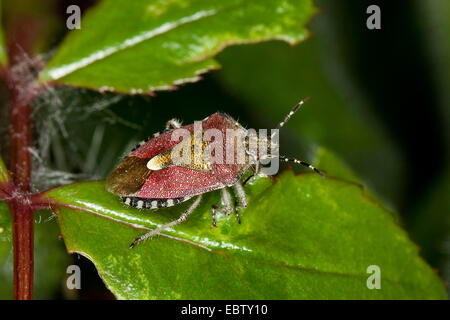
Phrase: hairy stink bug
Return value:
(212, 154)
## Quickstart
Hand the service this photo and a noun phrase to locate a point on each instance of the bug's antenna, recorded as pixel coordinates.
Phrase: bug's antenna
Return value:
(303, 163)
(294, 110)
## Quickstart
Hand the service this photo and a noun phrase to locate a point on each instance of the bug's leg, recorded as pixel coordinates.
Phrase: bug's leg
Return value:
(303, 163)
(226, 201)
(214, 208)
(227, 208)
(242, 198)
(236, 212)
(181, 219)
(241, 194)
(173, 124)
(248, 179)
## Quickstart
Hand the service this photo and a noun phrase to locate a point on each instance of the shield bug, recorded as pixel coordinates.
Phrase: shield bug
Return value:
(213, 154)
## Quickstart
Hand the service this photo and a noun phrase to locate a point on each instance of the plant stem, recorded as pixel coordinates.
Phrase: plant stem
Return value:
(19, 74)
(23, 251)
(22, 213)
(22, 89)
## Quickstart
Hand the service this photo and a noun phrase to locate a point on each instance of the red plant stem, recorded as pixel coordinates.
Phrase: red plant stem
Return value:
(23, 251)
(22, 213)
(20, 142)
(22, 35)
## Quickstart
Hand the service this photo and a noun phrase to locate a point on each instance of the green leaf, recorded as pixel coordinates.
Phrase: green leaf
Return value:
(147, 46)
(301, 237)
(50, 260)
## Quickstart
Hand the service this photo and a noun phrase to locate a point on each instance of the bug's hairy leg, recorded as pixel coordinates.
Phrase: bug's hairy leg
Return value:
(243, 202)
(173, 124)
(226, 201)
(227, 208)
(242, 198)
(181, 219)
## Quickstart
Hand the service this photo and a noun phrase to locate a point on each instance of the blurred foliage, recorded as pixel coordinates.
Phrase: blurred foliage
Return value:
(328, 119)
(3, 58)
(379, 101)
(431, 226)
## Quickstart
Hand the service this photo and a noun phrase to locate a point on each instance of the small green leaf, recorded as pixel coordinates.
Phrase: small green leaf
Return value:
(147, 46)
(301, 237)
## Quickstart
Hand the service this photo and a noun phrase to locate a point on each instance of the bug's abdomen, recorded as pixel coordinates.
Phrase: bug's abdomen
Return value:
(146, 203)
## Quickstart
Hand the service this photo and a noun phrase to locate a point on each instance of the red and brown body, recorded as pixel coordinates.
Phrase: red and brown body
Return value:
(142, 187)
(220, 151)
